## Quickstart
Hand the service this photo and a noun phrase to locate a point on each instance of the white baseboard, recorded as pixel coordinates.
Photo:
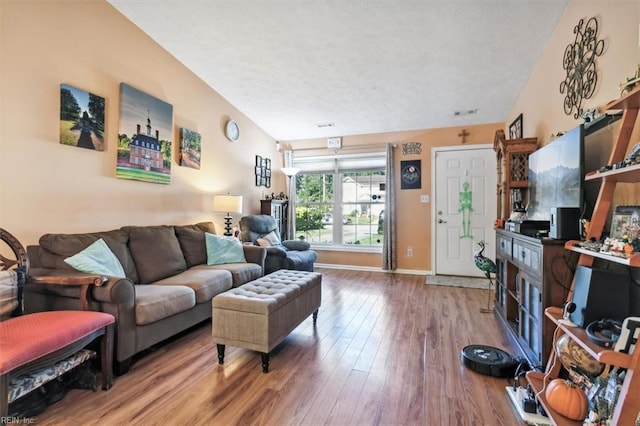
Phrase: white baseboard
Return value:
(372, 269)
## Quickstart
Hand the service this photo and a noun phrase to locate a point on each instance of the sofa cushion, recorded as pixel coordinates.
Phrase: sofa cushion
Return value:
(156, 302)
(241, 273)
(222, 250)
(54, 248)
(97, 259)
(206, 282)
(155, 251)
(191, 239)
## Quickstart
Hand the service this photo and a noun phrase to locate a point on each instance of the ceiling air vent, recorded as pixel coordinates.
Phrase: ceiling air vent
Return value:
(468, 112)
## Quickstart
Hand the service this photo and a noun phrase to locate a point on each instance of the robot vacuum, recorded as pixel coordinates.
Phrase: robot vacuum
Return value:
(489, 361)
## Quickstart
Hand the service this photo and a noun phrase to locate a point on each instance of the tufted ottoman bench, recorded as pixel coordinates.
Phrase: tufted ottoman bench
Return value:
(260, 314)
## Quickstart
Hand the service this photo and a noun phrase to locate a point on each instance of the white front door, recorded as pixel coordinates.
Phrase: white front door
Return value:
(464, 206)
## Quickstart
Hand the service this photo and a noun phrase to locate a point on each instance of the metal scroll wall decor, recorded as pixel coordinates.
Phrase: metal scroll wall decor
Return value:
(579, 62)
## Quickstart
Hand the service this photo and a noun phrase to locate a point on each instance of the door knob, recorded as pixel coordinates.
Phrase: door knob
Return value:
(442, 221)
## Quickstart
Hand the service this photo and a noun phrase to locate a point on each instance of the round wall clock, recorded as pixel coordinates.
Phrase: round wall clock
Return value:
(232, 130)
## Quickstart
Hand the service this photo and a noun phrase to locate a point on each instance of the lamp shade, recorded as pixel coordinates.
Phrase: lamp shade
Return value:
(227, 203)
(290, 171)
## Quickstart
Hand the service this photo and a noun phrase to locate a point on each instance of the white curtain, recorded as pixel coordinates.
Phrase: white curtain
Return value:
(291, 208)
(389, 253)
(291, 173)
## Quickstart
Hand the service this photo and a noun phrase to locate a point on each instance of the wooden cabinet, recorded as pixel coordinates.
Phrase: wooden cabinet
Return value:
(628, 406)
(277, 209)
(532, 274)
(512, 157)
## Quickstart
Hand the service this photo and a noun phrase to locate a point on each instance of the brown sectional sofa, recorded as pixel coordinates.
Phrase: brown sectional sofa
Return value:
(168, 286)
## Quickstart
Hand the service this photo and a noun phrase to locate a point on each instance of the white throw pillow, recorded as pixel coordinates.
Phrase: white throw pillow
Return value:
(271, 239)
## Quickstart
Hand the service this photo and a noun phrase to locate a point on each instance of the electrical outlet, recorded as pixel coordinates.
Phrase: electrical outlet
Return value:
(409, 251)
(424, 198)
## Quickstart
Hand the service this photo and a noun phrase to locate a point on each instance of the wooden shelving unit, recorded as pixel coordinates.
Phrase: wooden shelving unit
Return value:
(512, 157)
(528, 279)
(633, 260)
(277, 209)
(628, 406)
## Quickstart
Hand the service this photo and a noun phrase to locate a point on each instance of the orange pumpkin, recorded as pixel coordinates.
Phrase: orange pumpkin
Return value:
(567, 399)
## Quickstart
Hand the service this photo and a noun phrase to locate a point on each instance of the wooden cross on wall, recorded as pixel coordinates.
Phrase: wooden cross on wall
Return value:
(464, 135)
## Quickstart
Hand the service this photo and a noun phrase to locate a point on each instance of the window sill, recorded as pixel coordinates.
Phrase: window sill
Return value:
(354, 248)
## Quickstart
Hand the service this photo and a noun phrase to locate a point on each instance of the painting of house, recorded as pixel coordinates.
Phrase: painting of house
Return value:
(144, 155)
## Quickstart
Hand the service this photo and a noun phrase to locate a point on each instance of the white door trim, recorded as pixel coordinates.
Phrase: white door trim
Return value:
(434, 151)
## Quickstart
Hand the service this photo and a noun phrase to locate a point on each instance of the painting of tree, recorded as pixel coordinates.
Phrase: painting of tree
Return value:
(81, 118)
(190, 148)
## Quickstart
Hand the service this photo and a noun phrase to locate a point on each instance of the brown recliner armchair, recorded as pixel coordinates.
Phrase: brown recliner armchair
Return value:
(287, 254)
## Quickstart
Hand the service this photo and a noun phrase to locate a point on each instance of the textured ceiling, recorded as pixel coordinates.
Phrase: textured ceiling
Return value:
(366, 66)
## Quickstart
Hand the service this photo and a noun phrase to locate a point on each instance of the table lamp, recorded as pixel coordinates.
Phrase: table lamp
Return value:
(228, 204)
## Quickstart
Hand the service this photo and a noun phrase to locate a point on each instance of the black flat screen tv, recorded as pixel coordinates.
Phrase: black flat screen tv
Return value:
(556, 175)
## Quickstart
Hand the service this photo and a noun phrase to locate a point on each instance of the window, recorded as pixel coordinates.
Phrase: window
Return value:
(340, 201)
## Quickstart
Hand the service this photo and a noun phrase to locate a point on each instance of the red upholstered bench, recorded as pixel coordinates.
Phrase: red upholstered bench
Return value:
(31, 342)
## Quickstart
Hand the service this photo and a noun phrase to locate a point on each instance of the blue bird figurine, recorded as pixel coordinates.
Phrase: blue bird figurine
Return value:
(487, 266)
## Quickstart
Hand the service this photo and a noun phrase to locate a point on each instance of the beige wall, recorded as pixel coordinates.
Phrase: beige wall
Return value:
(413, 217)
(49, 187)
(541, 102)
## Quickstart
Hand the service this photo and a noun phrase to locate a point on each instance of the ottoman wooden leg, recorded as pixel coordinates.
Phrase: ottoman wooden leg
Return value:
(265, 363)
(315, 316)
(220, 353)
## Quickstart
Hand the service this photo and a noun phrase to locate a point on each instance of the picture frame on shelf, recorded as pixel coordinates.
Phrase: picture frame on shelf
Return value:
(515, 128)
(625, 221)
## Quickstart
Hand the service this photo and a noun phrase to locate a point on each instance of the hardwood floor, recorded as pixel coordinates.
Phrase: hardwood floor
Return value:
(385, 351)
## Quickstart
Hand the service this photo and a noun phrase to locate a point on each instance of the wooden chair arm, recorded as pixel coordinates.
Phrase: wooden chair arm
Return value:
(59, 277)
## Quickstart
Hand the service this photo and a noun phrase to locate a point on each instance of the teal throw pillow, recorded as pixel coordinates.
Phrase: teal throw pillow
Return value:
(97, 259)
(222, 250)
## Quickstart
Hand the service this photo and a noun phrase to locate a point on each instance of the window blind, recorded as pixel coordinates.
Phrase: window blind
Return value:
(340, 163)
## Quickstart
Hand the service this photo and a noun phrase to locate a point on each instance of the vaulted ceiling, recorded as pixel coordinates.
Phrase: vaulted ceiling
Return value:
(363, 66)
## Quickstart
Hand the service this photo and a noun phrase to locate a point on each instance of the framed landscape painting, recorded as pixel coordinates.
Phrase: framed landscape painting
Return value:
(81, 118)
(144, 137)
(190, 148)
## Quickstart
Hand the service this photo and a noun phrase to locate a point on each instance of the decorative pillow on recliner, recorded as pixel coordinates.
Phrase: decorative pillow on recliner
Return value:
(97, 258)
(271, 239)
(222, 250)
